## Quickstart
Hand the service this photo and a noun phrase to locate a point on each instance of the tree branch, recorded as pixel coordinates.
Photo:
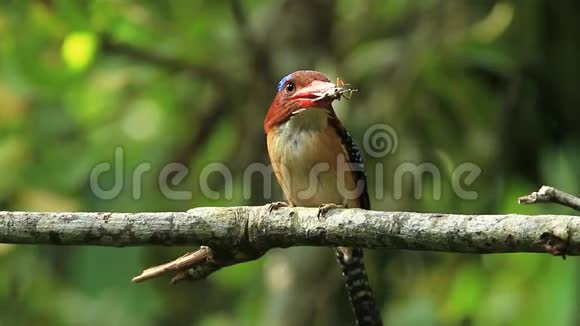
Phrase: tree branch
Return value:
(548, 194)
(111, 46)
(238, 234)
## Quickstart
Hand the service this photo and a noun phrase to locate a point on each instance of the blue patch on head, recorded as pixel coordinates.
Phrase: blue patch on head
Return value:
(283, 81)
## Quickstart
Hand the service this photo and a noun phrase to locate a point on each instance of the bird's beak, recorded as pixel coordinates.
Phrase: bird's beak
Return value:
(317, 89)
(320, 93)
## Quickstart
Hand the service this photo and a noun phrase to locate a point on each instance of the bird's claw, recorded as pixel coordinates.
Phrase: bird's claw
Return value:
(276, 205)
(324, 208)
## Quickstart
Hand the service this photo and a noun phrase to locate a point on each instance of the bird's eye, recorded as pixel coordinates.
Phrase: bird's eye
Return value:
(290, 87)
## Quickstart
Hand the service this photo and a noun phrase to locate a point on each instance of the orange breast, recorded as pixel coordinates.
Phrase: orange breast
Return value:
(312, 166)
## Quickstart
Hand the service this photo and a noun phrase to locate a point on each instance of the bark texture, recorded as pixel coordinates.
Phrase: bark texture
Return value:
(254, 230)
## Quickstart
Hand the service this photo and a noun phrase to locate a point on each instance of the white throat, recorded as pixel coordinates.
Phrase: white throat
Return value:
(310, 119)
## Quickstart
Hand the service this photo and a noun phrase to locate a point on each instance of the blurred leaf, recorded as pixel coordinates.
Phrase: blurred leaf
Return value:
(78, 50)
(496, 23)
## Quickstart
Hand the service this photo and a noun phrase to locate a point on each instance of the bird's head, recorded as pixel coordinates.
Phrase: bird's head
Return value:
(300, 91)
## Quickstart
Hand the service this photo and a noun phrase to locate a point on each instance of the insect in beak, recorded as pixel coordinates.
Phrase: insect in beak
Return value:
(340, 90)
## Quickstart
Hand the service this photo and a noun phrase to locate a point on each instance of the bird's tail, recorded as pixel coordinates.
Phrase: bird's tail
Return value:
(357, 285)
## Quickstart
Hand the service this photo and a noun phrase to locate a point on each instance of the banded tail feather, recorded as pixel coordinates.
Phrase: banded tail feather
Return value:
(358, 287)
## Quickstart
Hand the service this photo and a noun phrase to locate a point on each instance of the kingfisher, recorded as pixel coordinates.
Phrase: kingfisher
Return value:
(317, 164)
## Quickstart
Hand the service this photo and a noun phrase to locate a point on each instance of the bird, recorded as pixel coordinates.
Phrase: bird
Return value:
(317, 164)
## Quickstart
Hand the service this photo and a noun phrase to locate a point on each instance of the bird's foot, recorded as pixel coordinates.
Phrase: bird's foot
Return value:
(324, 208)
(276, 205)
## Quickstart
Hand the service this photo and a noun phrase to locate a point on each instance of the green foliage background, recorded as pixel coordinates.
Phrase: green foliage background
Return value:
(494, 83)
